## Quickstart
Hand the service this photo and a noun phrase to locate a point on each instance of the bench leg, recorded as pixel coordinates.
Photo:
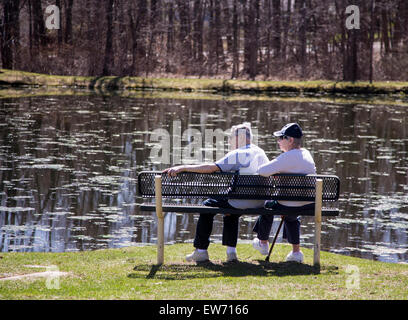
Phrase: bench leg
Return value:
(318, 222)
(160, 220)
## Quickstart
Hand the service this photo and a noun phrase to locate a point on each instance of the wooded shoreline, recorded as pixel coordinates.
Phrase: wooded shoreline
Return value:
(240, 39)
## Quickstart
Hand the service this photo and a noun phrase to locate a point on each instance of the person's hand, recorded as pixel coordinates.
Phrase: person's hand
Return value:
(172, 172)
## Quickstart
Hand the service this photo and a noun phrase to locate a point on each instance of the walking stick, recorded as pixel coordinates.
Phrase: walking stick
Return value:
(274, 240)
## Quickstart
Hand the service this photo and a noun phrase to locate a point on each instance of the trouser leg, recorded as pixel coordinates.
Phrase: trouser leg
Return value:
(230, 230)
(291, 229)
(203, 231)
(263, 226)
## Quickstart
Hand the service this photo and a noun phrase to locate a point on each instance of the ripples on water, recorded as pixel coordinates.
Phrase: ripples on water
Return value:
(68, 168)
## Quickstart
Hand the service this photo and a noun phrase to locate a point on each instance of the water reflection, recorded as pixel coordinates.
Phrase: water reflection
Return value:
(68, 168)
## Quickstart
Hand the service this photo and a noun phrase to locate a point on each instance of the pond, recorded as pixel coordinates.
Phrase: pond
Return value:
(69, 165)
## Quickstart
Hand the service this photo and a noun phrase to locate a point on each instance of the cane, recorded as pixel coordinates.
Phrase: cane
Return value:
(274, 240)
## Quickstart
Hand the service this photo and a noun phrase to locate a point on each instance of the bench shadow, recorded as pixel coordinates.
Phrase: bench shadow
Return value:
(238, 269)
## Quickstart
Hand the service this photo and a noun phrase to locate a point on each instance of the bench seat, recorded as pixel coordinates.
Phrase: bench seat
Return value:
(196, 208)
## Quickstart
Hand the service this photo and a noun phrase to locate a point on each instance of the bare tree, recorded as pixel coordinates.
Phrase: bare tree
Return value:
(39, 34)
(10, 33)
(68, 21)
(170, 34)
(107, 65)
(251, 14)
(235, 42)
(276, 35)
(292, 39)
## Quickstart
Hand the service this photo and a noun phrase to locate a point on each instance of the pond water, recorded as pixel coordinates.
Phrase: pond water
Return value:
(68, 169)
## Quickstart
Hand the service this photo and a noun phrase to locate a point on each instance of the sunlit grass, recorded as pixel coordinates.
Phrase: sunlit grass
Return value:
(131, 273)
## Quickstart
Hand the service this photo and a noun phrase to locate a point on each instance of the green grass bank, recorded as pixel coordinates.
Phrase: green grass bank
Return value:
(20, 79)
(131, 273)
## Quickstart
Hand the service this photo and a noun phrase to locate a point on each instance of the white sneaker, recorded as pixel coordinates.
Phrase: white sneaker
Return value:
(232, 257)
(263, 248)
(198, 256)
(295, 256)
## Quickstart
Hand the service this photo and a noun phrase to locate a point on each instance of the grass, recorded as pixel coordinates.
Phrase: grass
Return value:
(131, 273)
(8, 91)
(16, 78)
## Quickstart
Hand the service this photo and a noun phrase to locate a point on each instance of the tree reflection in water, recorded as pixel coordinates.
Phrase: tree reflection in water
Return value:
(68, 168)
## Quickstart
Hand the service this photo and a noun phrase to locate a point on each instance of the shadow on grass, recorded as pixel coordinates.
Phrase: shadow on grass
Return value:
(239, 269)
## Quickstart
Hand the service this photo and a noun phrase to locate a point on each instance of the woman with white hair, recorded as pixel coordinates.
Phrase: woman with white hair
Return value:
(244, 158)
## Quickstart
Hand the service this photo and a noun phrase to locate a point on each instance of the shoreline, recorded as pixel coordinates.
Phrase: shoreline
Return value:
(22, 79)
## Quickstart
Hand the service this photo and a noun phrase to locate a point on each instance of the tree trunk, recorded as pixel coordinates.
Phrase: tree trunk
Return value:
(16, 33)
(138, 31)
(153, 33)
(384, 30)
(6, 37)
(184, 33)
(372, 26)
(353, 60)
(68, 21)
(122, 42)
(217, 32)
(10, 34)
(340, 13)
(227, 25)
(89, 37)
(403, 18)
(251, 14)
(198, 32)
(354, 72)
(108, 60)
(30, 29)
(212, 38)
(276, 35)
(58, 4)
(141, 33)
(286, 29)
(269, 35)
(302, 27)
(39, 34)
(235, 43)
(170, 35)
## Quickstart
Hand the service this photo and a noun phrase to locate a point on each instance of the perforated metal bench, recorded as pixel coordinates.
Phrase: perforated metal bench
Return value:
(185, 192)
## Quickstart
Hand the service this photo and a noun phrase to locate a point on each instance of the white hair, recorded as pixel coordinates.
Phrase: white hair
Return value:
(243, 128)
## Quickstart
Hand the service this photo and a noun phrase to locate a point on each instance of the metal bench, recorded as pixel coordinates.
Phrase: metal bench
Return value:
(184, 192)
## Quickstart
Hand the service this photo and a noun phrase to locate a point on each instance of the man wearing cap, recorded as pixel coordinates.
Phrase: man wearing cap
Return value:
(244, 158)
(294, 159)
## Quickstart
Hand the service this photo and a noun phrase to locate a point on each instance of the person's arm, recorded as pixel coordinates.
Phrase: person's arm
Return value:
(277, 165)
(199, 168)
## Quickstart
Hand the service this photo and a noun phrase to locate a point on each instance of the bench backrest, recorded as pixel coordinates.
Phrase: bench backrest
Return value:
(295, 187)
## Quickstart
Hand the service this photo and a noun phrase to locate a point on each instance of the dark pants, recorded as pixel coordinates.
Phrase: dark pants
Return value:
(291, 226)
(205, 225)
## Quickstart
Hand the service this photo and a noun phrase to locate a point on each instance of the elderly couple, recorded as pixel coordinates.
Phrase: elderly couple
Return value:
(247, 158)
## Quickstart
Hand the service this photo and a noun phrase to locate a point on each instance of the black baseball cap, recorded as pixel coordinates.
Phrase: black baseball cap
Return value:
(290, 130)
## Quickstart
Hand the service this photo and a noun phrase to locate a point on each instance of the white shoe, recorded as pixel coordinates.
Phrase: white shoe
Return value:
(198, 256)
(232, 257)
(263, 248)
(295, 256)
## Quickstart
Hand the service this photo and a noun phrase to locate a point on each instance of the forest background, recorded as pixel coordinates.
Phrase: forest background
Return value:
(224, 39)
